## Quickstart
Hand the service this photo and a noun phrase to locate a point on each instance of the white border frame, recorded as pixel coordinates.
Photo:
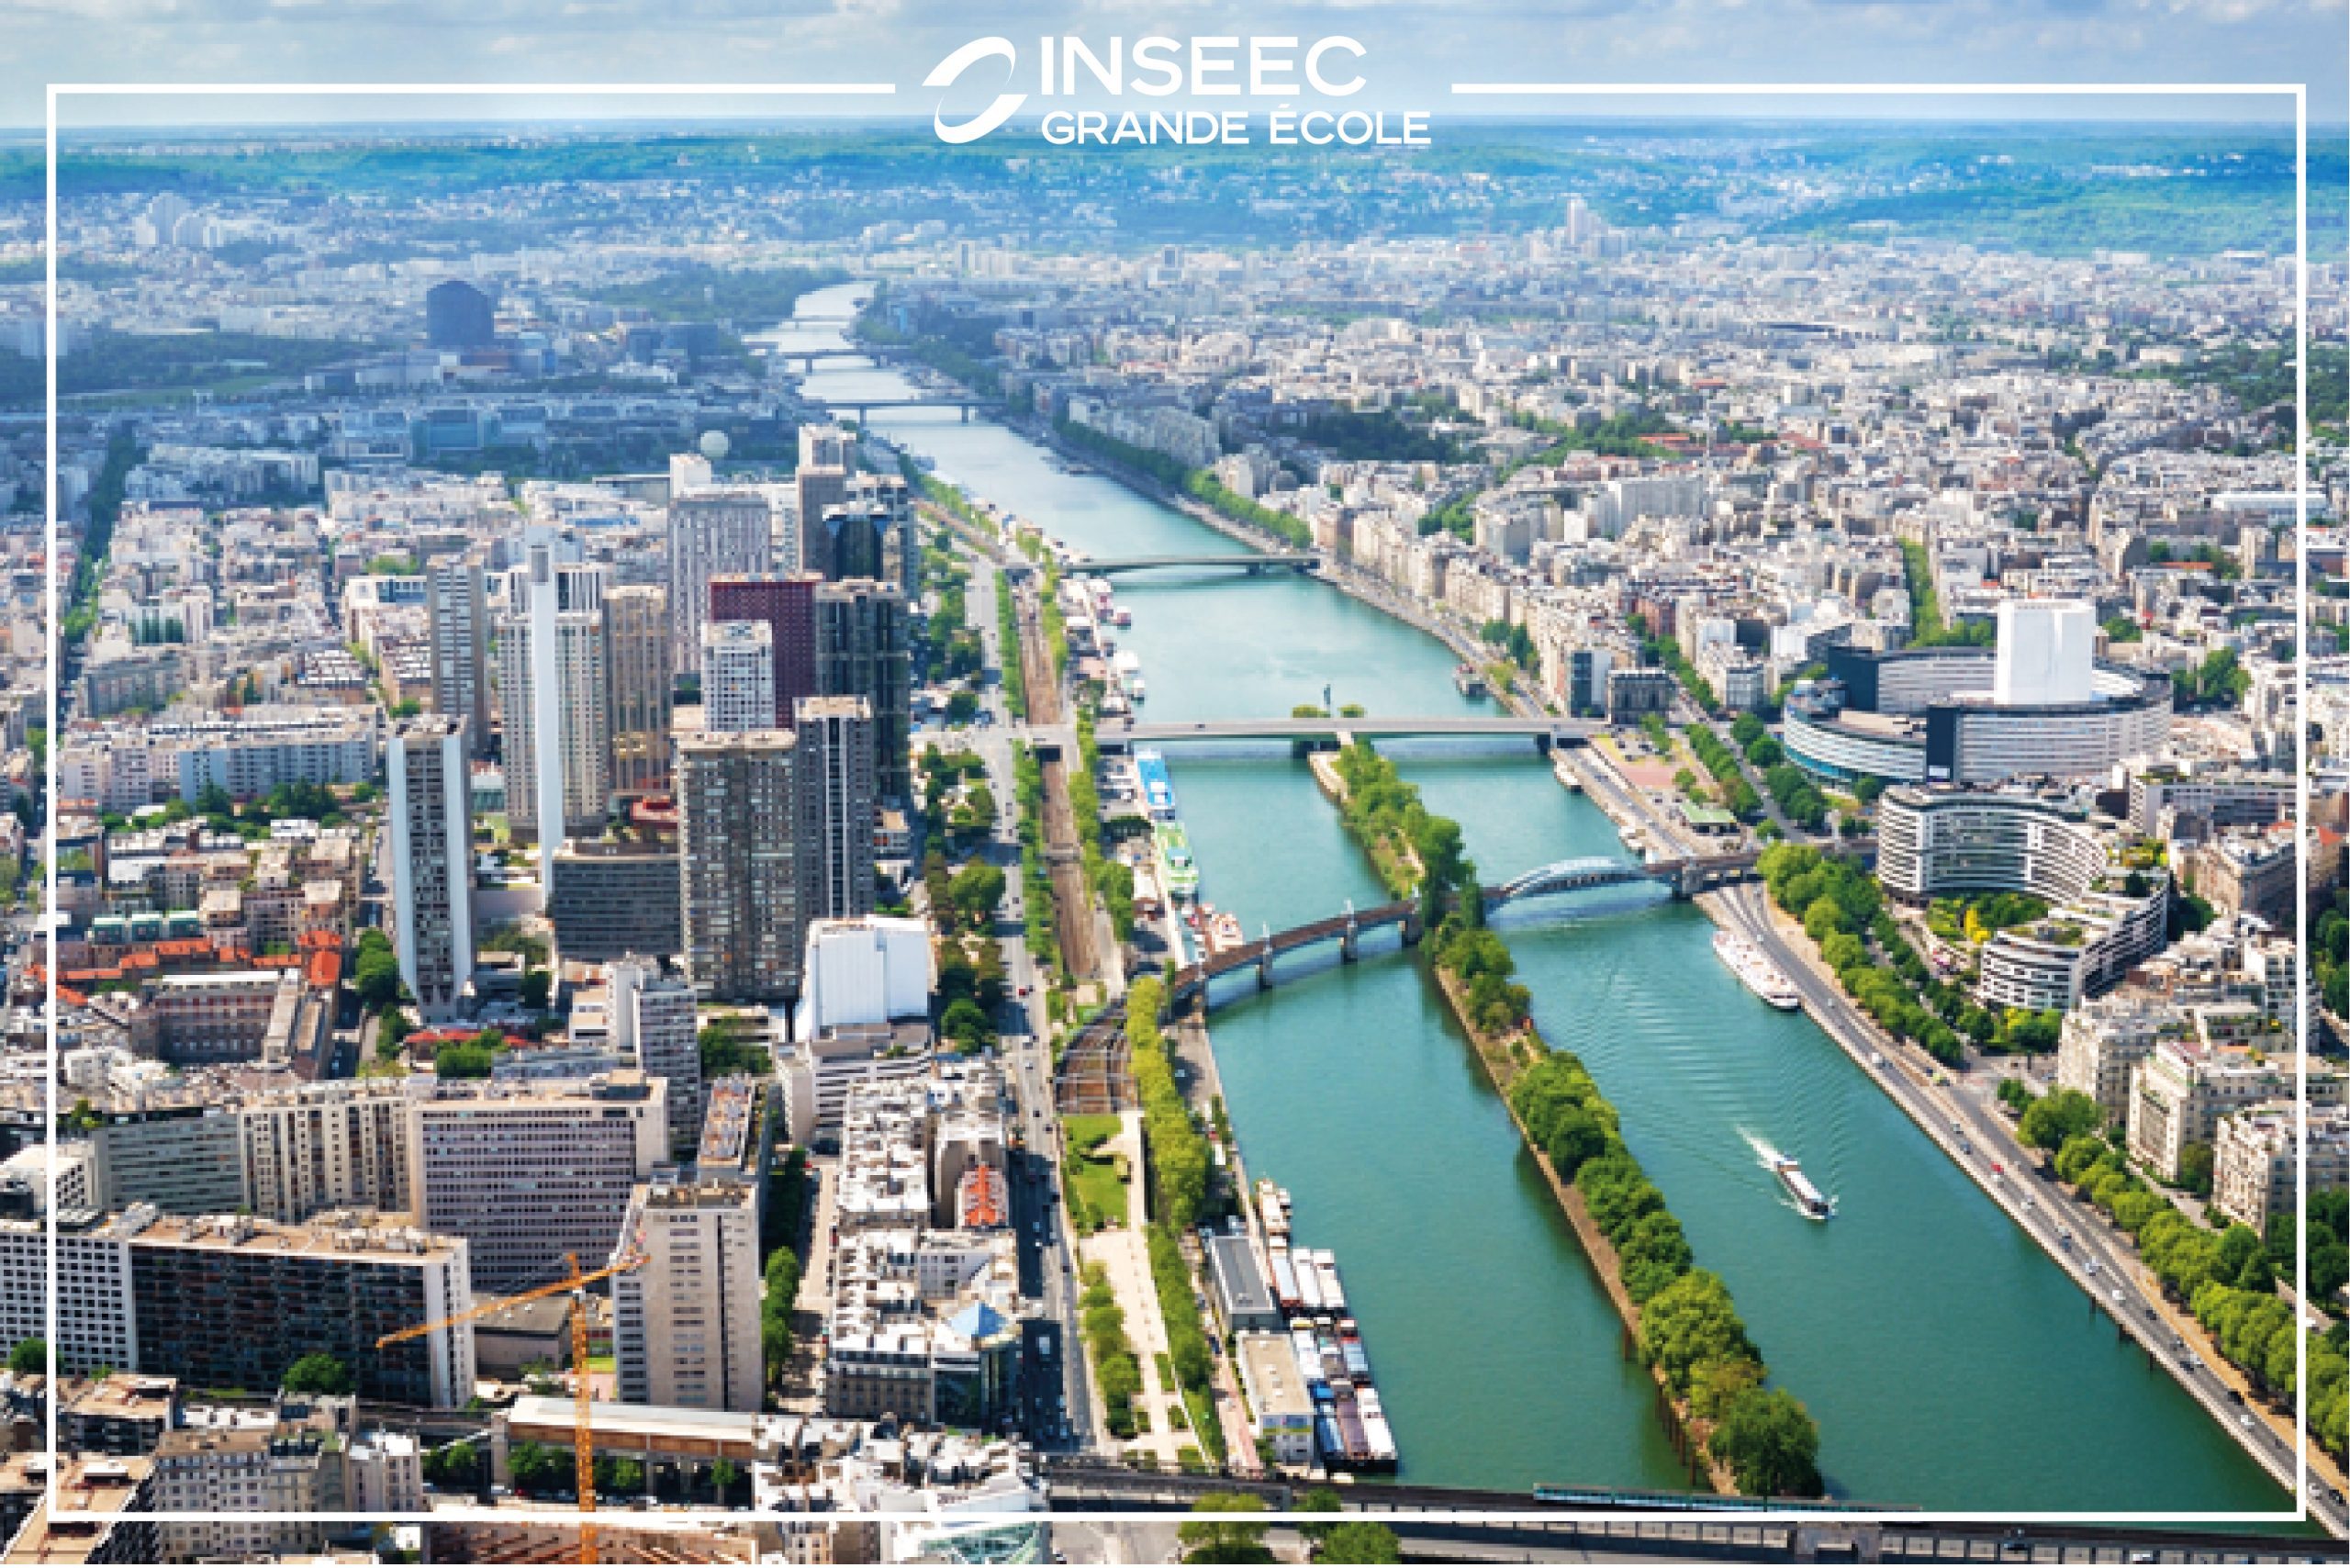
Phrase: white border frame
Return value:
(689, 1519)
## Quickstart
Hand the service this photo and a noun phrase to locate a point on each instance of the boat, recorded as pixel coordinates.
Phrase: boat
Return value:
(1121, 617)
(1182, 873)
(1157, 788)
(1756, 972)
(1565, 775)
(1223, 932)
(1325, 1269)
(1468, 680)
(1809, 1198)
(1633, 838)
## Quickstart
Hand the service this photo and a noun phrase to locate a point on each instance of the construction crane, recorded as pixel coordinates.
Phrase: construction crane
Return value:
(583, 1446)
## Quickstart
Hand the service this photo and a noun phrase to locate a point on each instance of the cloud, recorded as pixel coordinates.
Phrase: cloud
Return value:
(1418, 48)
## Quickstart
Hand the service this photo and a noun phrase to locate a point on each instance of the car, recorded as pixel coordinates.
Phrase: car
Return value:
(2245, 1421)
(2116, 1292)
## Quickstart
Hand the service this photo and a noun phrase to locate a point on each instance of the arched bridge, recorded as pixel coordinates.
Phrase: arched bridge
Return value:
(1685, 877)
(1253, 563)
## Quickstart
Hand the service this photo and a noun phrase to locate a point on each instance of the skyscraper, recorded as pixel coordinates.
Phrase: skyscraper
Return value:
(637, 674)
(787, 602)
(737, 675)
(836, 747)
(457, 608)
(685, 1320)
(739, 825)
(653, 1020)
(711, 532)
(458, 316)
(430, 814)
(820, 488)
(865, 648)
(551, 678)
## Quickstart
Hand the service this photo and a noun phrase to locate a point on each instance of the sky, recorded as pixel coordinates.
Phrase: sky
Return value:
(1415, 50)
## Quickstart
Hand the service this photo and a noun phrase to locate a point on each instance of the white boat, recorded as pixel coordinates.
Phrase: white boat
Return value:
(1756, 972)
(1809, 1198)
(1565, 775)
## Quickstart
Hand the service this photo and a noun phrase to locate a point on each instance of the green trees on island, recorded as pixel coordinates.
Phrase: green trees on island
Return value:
(1691, 1334)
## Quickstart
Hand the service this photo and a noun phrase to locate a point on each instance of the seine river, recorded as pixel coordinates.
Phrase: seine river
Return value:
(1948, 1362)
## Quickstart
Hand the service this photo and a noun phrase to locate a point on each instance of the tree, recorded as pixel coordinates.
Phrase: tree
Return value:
(536, 1467)
(375, 972)
(1771, 1444)
(316, 1373)
(975, 890)
(1207, 1539)
(29, 1358)
(1361, 1540)
(2195, 1163)
(2059, 1114)
(1316, 1500)
(463, 1058)
(457, 1465)
(537, 985)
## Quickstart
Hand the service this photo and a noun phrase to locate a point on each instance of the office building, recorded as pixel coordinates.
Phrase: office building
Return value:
(1938, 715)
(233, 1301)
(818, 487)
(685, 1320)
(336, 1144)
(712, 534)
(865, 648)
(527, 1171)
(457, 609)
(653, 1023)
(458, 316)
(429, 811)
(837, 748)
(183, 1156)
(97, 1317)
(638, 682)
(872, 970)
(555, 693)
(2109, 901)
(740, 814)
(787, 604)
(737, 677)
(616, 896)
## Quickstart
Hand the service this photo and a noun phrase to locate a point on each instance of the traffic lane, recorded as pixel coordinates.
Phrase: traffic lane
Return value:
(2094, 1259)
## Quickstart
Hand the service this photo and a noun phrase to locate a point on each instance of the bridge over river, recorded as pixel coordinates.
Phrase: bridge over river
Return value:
(1092, 1077)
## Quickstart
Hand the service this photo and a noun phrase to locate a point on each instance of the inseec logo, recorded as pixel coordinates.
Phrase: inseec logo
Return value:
(1290, 72)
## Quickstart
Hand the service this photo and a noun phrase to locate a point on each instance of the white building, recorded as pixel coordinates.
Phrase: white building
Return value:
(737, 677)
(685, 1319)
(527, 1171)
(874, 971)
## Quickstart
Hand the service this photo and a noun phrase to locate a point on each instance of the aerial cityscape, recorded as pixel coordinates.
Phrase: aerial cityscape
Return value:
(741, 841)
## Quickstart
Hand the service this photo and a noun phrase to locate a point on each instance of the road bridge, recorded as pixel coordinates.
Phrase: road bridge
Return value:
(863, 407)
(1683, 878)
(806, 358)
(1253, 562)
(1544, 732)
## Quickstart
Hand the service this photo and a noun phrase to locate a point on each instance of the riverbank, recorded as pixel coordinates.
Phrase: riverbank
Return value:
(1353, 1087)
(1745, 1437)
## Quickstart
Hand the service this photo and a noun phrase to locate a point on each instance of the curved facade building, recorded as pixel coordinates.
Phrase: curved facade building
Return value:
(1933, 842)
(1930, 716)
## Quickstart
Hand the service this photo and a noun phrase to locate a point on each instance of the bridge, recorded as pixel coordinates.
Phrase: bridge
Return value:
(1682, 878)
(1253, 563)
(806, 358)
(1687, 876)
(863, 407)
(1544, 732)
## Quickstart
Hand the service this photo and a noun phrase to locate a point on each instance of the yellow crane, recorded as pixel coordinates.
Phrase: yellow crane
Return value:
(583, 1434)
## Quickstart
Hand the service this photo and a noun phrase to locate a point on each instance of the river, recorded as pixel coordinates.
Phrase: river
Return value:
(1949, 1362)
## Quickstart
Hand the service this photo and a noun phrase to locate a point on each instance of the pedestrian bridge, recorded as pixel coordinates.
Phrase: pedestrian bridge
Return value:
(1252, 563)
